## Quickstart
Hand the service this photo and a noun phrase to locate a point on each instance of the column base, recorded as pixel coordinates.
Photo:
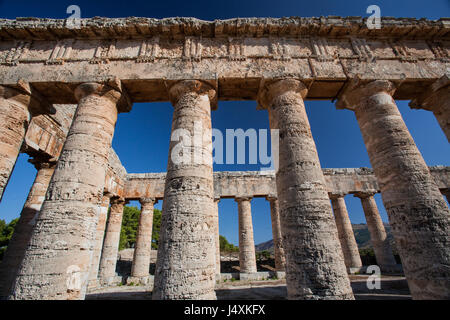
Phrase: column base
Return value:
(145, 280)
(111, 281)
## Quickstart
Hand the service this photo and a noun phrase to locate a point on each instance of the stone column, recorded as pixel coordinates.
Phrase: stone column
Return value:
(345, 233)
(99, 236)
(186, 262)
(315, 266)
(140, 270)
(22, 233)
(418, 214)
(57, 262)
(108, 260)
(247, 257)
(280, 260)
(216, 230)
(437, 99)
(14, 118)
(381, 247)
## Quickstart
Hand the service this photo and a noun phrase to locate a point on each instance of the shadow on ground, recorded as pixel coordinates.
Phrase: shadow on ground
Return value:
(392, 288)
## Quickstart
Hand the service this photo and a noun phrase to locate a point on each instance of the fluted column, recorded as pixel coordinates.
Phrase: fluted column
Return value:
(99, 236)
(381, 247)
(14, 119)
(345, 233)
(437, 99)
(108, 260)
(315, 267)
(24, 227)
(216, 226)
(280, 259)
(56, 264)
(247, 257)
(418, 214)
(185, 267)
(140, 269)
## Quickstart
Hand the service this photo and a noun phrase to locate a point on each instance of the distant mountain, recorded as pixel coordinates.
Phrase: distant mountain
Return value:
(361, 232)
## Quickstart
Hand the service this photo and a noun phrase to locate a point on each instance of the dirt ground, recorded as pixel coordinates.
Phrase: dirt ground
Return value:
(391, 288)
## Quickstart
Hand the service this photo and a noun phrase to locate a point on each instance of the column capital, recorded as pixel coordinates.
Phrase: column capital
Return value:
(336, 195)
(111, 89)
(271, 89)
(365, 194)
(432, 97)
(118, 201)
(24, 93)
(179, 88)
(242, 198)
(271, 197)
(217, 199)
(148, 200)
(356, 90)
(39, 164)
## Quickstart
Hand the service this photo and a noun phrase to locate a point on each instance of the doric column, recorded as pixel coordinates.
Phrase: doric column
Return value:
(141, 259)
(216, 230)
(381, 247)
(57, 262)
(99, 236)
(24, 227)
(185, 267)
(345, 233)
(14, 118)
(247, 257)
(437, 99)
(280, 260)
(108, 260)
(315, 266)
(418, 214)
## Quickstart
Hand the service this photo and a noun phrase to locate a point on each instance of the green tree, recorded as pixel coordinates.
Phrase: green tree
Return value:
(6, 232)
(225, 246)
(156, 228)
(130, 224)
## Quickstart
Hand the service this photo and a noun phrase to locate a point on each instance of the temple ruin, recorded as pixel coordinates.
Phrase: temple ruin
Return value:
(61, 89)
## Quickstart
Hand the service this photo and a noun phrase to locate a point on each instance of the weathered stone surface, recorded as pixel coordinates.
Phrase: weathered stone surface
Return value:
(46, 133)
(14, 117)
(378, 237)
(247, 257)
(185, 268)
(437, 99)
(98, 244)
(216, 235)
(18, 244)
(228, 184)
(108, 261)
(280, 259)
(56, 264)
(315, 266)
(418, 214)
(345, 233)
(237, 53)
(141, 258)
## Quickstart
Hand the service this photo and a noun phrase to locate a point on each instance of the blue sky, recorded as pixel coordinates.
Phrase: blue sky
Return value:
(142, 136)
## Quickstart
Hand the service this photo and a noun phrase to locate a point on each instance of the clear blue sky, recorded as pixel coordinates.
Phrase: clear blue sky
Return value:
(142, 136)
